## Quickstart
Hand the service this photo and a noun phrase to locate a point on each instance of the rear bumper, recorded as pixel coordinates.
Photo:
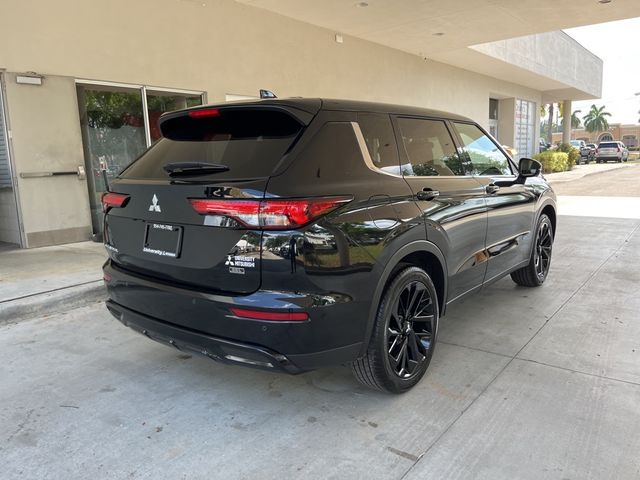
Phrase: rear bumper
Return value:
(202, 323)
(218, 349)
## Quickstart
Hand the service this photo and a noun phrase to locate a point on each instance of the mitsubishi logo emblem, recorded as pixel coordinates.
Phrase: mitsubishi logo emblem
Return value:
(154, 207)
(229, 260)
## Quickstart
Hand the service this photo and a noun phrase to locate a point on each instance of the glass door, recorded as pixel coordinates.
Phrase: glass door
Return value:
(119, 123)
(10, 234)
(113, 135)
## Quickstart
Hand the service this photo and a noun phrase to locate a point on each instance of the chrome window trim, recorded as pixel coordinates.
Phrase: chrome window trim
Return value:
(364, 150)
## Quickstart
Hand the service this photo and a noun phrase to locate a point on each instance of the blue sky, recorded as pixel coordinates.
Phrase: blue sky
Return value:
(618, 45)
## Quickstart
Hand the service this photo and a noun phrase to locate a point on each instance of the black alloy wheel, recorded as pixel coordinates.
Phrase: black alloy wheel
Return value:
(544, 245)
(404, 334)
(536, 272)
(410, 329)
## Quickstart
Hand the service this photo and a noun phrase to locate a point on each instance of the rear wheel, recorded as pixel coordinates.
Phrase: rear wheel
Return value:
(535, 273)
(404, 334)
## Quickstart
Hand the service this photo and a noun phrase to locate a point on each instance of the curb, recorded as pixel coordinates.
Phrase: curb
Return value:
(52, 302)
(551, 181)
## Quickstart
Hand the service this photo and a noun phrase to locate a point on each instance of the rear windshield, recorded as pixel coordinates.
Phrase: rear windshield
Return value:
(608, 145)
(249, 142)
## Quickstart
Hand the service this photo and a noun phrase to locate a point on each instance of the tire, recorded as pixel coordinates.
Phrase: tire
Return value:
(404, 334)
(536, 272)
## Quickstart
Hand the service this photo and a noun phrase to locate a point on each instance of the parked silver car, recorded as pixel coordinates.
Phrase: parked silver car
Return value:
(612, 151)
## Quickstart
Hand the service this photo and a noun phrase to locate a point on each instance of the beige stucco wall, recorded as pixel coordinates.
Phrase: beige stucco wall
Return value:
(223, 47)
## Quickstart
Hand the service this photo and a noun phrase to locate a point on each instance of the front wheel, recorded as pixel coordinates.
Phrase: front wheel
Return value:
(535, 273)
(404, 334)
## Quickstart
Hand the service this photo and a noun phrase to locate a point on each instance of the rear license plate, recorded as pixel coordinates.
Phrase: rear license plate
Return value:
(162, 239)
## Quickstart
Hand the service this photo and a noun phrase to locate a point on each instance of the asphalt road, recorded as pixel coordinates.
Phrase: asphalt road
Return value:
(525, 384)
(623, 182)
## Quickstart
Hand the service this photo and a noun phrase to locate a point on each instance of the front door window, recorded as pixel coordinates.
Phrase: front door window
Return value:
(484, 157)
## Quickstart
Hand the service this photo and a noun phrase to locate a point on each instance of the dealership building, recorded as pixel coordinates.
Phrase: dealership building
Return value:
(84, 82)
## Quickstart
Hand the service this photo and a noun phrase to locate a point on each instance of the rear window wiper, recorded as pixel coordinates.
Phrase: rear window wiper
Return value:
(193, 168)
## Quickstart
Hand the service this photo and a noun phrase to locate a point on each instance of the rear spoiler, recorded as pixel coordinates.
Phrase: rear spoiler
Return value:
(301, 112)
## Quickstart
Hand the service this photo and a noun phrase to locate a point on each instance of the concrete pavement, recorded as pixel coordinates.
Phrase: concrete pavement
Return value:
(525, 383)
(49, 279)
(580, 171)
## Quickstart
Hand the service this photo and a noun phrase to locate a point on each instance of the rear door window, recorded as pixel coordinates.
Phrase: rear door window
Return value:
(250, 143)
(381, 143)
(429, 148)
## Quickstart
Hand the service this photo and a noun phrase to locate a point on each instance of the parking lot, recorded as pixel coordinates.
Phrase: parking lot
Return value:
(525, 383)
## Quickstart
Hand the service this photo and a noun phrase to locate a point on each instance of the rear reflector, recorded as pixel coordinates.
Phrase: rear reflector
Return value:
(276, 214)
(270, 316)
(110, 200)
(204, 113)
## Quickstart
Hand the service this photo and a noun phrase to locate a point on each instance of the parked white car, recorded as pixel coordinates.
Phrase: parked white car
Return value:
(612, 151)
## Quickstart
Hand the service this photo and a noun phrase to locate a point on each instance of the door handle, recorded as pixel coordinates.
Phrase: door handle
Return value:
(492, 188)
(427, 194)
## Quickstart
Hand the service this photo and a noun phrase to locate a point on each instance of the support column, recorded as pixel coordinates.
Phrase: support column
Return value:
(566, 127)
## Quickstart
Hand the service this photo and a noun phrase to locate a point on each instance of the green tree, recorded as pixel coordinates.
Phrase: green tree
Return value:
(575, 120)
(596, 119)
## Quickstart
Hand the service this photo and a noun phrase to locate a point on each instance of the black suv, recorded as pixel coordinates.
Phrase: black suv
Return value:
(298, 233)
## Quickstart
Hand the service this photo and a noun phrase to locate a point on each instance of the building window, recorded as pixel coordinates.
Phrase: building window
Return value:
(493, 117)
(605, 137)
(630, 140)
(525, 119)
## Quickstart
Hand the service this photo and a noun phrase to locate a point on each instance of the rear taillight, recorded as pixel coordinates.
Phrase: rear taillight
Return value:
(270, 214)
(270, 315)
(110, 200)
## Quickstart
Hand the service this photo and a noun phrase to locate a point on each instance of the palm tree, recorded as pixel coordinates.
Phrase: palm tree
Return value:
(575, 120)
(595, 120)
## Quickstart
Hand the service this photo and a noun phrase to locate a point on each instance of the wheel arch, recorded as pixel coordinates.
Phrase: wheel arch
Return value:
(420, 253)
(550, 211)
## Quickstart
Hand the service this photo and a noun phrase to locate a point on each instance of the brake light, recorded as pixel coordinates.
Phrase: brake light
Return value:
(204, 113)
(110, 200)
(270, 214)
(270, 316)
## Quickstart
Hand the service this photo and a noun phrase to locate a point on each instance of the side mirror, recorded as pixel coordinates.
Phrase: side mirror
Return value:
(529, 168)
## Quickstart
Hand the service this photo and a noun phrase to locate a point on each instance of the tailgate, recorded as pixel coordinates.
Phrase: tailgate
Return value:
(224, 153)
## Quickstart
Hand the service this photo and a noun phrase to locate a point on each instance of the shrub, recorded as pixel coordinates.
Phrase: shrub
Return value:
(553, 161)
(573, 152)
